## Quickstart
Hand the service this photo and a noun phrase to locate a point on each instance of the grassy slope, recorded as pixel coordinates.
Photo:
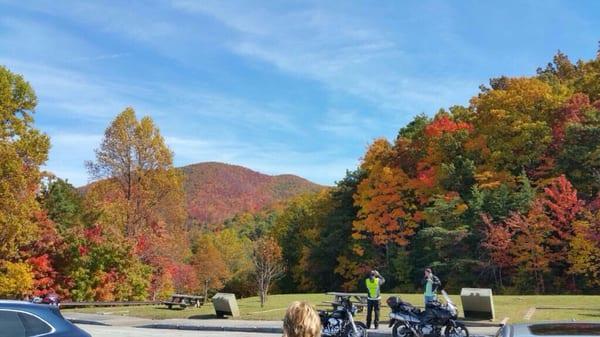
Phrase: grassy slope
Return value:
(513, 307)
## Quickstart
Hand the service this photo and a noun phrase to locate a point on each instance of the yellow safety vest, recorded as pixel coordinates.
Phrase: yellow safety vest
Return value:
(373, 288)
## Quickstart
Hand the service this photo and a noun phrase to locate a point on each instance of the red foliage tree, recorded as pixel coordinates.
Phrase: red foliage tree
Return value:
(44, 275)
(443, 124)
(498, 242)
(562, 207)
(42, 255)
(530, 250)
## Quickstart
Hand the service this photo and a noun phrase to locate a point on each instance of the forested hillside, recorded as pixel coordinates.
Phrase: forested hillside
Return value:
(502, 193)
(215, 192)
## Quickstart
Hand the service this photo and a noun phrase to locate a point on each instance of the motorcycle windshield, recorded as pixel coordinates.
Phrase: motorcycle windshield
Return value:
(451, 306)
(446, 297)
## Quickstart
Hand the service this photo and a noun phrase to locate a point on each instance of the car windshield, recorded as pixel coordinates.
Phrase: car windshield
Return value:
(566, 329)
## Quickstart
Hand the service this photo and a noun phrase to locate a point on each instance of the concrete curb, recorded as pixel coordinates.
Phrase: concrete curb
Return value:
(481, 324)
(168, 326)
(272, 330)
(86, 321)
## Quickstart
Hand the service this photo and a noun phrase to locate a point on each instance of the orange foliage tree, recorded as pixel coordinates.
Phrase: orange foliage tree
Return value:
(210, 266)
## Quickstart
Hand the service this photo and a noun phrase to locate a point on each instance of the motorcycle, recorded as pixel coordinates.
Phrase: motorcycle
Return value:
(49, 299)
(340, 322)
(409, 321)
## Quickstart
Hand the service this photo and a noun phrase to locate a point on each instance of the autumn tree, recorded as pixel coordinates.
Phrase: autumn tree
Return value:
(530, 249)
(45, 257)
(497, 243)
(584, 251)
(513, 118)
(23, 149)
(138, 167)
(102, 266)
(236, 251)
(563, 207)
(140, 193)
(16, 279)
(210, 266)
(384, 208)
(268, 264)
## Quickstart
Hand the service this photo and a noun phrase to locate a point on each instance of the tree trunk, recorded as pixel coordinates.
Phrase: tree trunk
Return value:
(262, 299)
(261, 290)
(206, 289)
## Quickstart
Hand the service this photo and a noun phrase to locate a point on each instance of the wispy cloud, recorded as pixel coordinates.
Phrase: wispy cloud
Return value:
(230, 110)
(101, 57)
(344, 51)
(73, 94)
(348, 124)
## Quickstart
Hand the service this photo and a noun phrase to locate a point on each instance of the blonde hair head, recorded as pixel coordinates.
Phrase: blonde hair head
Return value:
(301, 320)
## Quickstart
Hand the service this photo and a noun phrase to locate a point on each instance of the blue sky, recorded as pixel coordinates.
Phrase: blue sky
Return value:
(279, 87)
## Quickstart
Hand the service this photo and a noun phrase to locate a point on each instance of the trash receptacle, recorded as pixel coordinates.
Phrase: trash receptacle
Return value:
(477, 303)
(225, 304)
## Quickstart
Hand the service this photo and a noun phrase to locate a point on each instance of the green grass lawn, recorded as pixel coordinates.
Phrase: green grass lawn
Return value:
(513, 307)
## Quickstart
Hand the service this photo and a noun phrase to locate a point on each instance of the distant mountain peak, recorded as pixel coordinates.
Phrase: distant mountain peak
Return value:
(217, 191)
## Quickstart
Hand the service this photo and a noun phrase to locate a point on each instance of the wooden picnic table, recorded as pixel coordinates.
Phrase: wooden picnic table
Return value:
(358, 299)
(184, 301)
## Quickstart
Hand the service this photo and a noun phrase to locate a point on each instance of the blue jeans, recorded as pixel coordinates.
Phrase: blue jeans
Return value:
(429, 299)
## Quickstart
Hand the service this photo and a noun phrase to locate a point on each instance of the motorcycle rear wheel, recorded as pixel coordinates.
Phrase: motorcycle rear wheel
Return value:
(361, 330)
(400, 330)
(458, 330)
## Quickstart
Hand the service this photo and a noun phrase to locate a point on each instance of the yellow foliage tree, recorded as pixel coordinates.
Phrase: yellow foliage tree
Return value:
(584, 253)
(210, 266)
(143, 186)
(22, 150)
(16, 279)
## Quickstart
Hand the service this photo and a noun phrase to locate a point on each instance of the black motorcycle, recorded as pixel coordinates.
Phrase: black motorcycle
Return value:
(340, 322)
(409, 321)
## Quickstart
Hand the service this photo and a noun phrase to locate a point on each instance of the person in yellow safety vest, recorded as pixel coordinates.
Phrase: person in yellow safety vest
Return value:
(373, 283)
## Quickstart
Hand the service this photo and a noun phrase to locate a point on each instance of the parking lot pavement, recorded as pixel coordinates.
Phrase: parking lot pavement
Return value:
(112, 331)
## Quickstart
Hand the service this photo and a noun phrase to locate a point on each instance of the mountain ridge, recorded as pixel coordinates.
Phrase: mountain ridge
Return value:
(216, 191)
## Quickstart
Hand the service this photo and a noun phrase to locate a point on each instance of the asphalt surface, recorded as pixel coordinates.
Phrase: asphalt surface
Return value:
(124, 331)
(120, 331)
(123, 326)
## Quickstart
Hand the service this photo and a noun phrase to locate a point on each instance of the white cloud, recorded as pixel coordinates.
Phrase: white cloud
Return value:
(344, 51)
(71, 93)
(231, 110)
(101, 57)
